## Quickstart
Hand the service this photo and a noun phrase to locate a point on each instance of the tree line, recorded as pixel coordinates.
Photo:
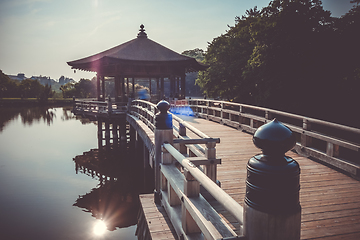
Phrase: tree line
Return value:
(27, 88)
(292, 56)
(31, 88)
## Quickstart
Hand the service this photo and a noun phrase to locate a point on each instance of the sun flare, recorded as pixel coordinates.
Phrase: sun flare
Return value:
(99, 228)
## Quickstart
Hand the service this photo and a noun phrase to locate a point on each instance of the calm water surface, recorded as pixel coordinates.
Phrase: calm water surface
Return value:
(49, 182)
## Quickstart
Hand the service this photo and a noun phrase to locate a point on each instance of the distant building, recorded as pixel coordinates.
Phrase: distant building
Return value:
(43, 80)
(18, 77)
(63, 80)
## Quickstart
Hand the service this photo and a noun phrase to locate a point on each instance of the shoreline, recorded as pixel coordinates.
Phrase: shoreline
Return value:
(19, 102)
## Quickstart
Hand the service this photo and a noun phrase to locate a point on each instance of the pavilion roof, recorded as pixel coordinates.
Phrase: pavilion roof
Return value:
(137, 51)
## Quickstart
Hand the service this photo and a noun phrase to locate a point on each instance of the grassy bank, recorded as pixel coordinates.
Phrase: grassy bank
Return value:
(6, 102)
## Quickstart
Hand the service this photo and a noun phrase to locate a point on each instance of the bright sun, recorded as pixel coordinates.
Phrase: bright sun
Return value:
(99, 228)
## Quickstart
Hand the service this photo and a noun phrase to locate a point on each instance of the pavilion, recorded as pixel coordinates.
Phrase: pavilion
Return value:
(138, 59)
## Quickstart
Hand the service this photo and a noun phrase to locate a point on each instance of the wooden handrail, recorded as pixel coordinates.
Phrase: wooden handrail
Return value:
(176, 118)
(290, 115)
(190, 127)
(146, 111)
(197, 141)
(332, 143)
(92, 107)
(220, 195)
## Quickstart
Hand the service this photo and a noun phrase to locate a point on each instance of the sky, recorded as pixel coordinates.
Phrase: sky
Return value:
(38, 37)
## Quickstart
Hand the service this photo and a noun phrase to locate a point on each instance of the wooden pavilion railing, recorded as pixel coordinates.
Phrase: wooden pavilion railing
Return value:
(331, 143)
(98, 107)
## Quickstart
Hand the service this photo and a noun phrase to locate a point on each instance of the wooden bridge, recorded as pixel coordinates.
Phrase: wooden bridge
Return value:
(206, 201)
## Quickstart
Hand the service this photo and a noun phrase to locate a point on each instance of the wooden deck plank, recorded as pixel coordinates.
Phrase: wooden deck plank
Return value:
(158, 223)
(329, 199)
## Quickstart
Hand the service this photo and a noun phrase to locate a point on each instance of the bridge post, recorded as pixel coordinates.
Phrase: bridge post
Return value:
(210, 154)
(132, 133)
(100, 135)
(107, 134)
(115, 134)
(241, 118)
(272, 209)
(163, 133)
(268, 115)
(191, 189)
(306, 140)
(182, 132)
(109, 105)
(221, 112)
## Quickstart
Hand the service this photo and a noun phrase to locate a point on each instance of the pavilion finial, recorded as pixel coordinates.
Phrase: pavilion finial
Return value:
(142, 33)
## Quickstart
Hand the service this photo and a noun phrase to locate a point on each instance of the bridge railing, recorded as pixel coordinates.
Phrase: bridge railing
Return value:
(145, 111)
(331, 143)
(199, 146)
(90, 106)
(190, 213)
(179, 184)
(98, 107)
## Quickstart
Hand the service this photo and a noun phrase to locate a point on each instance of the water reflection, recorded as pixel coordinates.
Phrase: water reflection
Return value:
(114, 202)
(31, 115)
(68, 115)
(28, 115)
(38, 184)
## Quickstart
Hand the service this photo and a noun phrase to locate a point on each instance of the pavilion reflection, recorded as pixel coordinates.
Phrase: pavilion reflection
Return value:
(110, 203)
(115, 200)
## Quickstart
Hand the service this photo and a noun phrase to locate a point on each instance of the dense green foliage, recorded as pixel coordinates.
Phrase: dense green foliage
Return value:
(8, 87)
(85, 88)
(291, 55)
(192, 89)
(27, 88)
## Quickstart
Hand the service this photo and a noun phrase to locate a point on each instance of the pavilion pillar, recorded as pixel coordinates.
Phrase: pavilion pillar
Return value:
(183, 86)
(116, 88)
(103, 88)
(172, 86)
(133, 87)
(177, 87)
(158, 89)
(122, 89)
(162, 88)
(127, 88)
(98, 77)
(150, 87)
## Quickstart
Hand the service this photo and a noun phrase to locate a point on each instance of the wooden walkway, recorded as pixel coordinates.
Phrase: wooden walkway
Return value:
(153, 220)
(330, 200)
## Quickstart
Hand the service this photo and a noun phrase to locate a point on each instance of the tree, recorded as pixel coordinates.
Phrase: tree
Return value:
(46, 93)
(30, 88)
(227, 56)
(8, 87)
(287, 58)
(292, 56)
(196, 53)
(68, 90)
(85, 88)
(191, 88)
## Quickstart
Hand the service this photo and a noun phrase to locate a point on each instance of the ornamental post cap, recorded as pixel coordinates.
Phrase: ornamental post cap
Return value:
(163, 106)
(274, 138)
(142, 33)
(163, 119)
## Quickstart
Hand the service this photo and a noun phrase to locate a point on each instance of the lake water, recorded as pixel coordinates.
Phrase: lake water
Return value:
(50, 186)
